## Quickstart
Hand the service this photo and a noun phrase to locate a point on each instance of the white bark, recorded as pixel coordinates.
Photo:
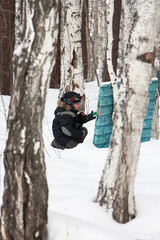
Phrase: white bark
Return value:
(116, 191)
(155, 121)
(127, 14)
(98, 38)
(93, 29)
(43, 59)
(19, 22)
(71, 48)
(24, 209)
(102, 38)
(112, 74)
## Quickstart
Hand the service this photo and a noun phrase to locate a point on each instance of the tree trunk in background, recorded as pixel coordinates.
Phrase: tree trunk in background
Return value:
(125, 29)
(56, 73)
(103, 16)
(7, 9)
(86, 42)
(155, 122)
(101, 10)
(20, 19)
(25, 199)
(71, 47)
(116, 32)
(116, 189)
(93, 28)
(113, 20)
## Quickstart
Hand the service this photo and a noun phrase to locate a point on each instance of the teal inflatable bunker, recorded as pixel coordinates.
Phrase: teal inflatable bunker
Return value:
(103, 124)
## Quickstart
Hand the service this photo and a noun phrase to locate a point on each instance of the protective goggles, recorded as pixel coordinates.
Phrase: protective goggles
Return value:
(76, 99)
(72, 99)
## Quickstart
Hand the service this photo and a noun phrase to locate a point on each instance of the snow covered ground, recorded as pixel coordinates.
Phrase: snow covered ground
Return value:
(73, 179)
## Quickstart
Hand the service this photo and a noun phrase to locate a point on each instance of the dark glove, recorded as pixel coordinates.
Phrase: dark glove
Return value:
(82, 118)
(90, 116)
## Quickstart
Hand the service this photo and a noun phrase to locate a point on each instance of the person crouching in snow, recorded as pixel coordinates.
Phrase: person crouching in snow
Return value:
(67, 126)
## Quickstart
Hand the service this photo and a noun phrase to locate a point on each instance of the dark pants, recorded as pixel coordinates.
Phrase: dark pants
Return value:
(71, 144)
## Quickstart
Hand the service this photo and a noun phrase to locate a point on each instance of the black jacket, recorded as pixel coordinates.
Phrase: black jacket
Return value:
(66, 126)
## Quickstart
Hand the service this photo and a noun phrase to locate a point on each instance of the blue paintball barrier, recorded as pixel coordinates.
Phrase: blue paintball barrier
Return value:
(147, 124)
(103, 124)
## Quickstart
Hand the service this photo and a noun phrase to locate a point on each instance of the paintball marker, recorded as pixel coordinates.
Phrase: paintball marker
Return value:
(94, 113)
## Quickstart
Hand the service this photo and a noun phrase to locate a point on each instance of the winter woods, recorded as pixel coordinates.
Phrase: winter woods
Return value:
(95, 39)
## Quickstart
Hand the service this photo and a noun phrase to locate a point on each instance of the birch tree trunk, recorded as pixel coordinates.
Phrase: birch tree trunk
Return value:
(93, 35)
(25, 198)
(116, 189)
(111, 71)
(20, 19)
(155, 122)
(55, 76)
(113, 19)
(104, 21)
(86, 42)
(102, 39)
(98, 39)
(71, 47)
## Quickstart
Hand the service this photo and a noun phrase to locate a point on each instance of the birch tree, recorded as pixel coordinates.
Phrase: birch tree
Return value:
(86, 44)
(155, 121)
(93, 35)
(24, 209)
(97, 17)
(104, 21)
(71, 47)
(140, 26)
(102, 39)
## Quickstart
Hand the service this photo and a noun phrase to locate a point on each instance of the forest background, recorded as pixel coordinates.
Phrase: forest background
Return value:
(85, 51)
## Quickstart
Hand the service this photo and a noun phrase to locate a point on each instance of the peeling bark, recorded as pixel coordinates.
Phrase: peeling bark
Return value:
(155, 122)
(116, 189)
(102, 40)
(85, 42)
(116, 32)
(56, 73)
(25, 198)
(93, 31)
(71, 47)
(110, 67)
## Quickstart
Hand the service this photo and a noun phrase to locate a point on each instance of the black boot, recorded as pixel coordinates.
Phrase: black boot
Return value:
(54, 144)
